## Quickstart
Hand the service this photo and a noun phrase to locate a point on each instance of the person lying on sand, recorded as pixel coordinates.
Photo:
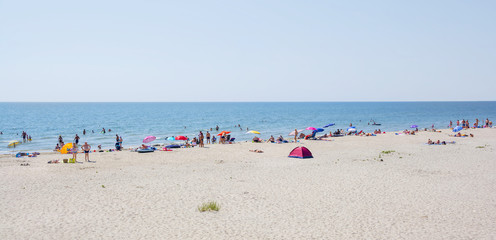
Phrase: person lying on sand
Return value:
(257, 151)
(323, 136)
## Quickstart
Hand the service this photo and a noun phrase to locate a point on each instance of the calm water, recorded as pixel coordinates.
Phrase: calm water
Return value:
(134, 121)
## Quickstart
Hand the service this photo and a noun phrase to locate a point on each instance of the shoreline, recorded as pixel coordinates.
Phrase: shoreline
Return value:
(46, 151)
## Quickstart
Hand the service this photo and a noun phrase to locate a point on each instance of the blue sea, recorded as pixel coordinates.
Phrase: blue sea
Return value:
(134, 121)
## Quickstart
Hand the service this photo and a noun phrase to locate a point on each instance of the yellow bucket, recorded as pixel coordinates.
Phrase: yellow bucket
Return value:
(71, 160)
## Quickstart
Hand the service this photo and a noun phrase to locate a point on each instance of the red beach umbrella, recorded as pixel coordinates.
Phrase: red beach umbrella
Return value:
(181, 138)
(223, 132)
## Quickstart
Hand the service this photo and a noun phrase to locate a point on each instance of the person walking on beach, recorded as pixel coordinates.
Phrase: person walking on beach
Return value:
(86, 148)
(208, 137)
(76, 139)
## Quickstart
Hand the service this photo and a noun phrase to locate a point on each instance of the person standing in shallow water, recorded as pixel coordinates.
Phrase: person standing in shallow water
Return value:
(76, 139)
(208, 137)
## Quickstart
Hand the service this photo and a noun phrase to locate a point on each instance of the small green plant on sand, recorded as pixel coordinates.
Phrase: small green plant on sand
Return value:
(103, 186)
(388, 152)
(210, 206)
(480, 147)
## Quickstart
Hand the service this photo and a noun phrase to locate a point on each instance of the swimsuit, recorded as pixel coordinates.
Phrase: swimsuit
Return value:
(86, 151)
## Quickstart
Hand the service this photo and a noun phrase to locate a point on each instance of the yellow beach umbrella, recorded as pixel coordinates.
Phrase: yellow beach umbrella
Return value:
(13, 143)
(66, 148)
(252, 131)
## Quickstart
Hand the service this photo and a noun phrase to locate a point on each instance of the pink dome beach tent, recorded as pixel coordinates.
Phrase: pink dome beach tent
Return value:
(300, 152)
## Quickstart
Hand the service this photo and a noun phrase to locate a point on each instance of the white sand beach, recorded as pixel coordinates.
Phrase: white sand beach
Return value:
(349, 190)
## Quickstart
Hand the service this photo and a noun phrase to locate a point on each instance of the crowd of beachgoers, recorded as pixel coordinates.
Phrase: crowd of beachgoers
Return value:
(224, 137)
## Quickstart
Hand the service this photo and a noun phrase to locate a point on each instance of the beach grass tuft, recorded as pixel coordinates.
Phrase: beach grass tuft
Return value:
(388, 152)
(480, 147)
(103, 186)
(210, 206)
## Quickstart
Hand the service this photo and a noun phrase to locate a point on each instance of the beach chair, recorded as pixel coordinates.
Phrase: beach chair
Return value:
(231, 140)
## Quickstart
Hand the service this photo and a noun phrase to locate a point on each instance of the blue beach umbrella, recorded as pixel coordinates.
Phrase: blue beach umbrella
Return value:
(414, 126)
(171, 138)
(330, 124)
(457, 129)
(351, 129)
(320, 130)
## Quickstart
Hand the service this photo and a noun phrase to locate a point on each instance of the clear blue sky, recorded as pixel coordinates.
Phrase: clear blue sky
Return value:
(247, 50)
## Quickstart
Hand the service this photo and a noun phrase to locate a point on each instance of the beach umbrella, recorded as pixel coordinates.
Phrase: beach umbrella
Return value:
(181, 138)
(319, 130)
(66, 148)
(330, 124)
(292, 133)
(255, 132)
(171, 138)
(311, 128)
(351, 129)
(457, 129)
(13, 143)
(149, 139)
(414, 126)
(223, 132)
